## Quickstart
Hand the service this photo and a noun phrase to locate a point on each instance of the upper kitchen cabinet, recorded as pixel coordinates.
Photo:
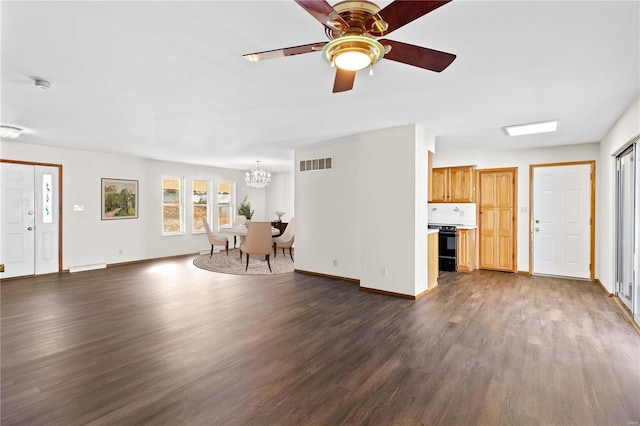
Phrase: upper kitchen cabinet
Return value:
(452, 185)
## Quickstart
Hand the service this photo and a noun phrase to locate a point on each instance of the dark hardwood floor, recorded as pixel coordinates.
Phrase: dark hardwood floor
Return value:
(165, 343)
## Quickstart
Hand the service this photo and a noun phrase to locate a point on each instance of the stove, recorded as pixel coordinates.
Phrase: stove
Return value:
(447, 246)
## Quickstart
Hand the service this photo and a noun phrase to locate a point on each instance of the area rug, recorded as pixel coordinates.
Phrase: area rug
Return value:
(231, 264)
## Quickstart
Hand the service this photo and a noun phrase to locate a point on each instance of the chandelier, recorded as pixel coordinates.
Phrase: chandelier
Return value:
(257, 178)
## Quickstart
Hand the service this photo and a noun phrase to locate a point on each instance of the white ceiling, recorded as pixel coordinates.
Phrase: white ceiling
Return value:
(166, 80)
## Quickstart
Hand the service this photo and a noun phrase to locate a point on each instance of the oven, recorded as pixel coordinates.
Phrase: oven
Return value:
(447, 247)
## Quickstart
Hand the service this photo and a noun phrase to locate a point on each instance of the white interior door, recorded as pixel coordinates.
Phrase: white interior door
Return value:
(29, 219)
(562, 220)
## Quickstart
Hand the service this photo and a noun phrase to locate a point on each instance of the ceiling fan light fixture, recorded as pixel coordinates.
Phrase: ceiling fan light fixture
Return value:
(10, 132)
(353, 53)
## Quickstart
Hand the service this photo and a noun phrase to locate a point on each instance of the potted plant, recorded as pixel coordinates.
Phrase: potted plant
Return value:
(244, 209)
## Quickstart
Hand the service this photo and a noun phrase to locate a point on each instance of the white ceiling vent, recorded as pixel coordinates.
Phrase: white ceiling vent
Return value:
(316, 164)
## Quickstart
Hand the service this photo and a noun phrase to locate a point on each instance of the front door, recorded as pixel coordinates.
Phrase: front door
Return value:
(562, 220)
(29, 218)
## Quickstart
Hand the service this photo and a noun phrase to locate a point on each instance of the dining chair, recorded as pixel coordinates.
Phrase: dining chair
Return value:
(257, 242)
(285, 240)
(215, 240)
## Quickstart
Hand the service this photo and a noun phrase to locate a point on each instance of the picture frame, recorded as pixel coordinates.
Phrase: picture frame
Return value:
(119, 199)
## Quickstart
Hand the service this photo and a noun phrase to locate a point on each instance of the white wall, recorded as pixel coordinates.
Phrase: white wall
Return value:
(369, 213)
(88, 240)
(329, 212)
(625, 130)
(393, 175)
(280, 196)
(521, 159)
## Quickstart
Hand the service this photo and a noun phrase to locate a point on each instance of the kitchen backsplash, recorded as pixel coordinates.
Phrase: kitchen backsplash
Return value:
(452, 214)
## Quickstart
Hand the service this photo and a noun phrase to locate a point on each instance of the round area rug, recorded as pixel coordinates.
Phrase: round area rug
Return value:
(231, 264)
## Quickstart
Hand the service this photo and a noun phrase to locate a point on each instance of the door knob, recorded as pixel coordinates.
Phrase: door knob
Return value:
(30, 228)
(537, 229)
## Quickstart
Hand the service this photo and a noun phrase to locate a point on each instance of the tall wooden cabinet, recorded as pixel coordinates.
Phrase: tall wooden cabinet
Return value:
(496, 200)
(466, 250)
(432, 261)
(452, 185)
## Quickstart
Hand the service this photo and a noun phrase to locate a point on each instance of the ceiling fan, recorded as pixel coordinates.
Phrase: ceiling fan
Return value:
(354, 29)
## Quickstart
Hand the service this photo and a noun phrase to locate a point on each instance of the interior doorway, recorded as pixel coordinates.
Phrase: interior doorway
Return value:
(562, 219)
(30, 216)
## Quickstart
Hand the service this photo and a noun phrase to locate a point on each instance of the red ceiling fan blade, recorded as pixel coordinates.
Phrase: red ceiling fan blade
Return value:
(344, 80)
(287, 51)
(323, 12)
(409, 54)
(401, 12)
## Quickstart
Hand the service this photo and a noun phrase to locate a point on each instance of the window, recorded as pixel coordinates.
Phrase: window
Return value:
(225, 203)
(172, 206)
(47, 198)
(200, 202)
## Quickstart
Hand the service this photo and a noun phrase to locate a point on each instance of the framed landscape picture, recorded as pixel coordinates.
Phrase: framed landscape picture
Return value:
(119, 199)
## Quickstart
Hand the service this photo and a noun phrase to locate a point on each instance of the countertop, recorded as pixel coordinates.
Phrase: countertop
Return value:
(466, 227)
(432, 231)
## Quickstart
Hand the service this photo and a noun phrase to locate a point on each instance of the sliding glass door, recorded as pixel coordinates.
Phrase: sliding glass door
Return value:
(628, 228)
(636, 291)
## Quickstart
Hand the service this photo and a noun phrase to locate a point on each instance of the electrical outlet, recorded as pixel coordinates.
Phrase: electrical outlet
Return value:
(120, 251)
(383, 270)
(78, 208)
(335, 262)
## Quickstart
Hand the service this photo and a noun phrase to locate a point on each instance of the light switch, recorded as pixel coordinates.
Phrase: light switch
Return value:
(78, 207)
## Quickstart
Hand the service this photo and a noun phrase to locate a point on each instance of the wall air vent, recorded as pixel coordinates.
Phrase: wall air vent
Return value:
(316, 164)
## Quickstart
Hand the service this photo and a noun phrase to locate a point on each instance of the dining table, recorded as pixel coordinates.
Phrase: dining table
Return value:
(241, 231)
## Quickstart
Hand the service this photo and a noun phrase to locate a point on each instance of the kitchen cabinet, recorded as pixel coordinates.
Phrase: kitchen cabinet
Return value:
(432, 262)
(466, 250)
(432, 259)
(452, 185)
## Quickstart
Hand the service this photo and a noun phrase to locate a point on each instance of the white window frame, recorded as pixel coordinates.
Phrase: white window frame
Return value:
(180, 179)
(193, 206)
(231, 204)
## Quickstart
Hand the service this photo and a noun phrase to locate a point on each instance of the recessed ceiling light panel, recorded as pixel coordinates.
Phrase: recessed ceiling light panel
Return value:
(532, 128)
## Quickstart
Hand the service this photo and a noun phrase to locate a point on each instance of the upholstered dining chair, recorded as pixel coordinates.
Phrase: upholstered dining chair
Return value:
(257, 242)
(285, 240)
(215, 240)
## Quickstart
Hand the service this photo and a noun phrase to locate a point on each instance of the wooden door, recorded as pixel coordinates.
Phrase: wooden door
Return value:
(497, 219)
(439, 185)
(461, 186)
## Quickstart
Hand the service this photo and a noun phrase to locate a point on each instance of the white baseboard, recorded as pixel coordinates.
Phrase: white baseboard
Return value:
(91, 267)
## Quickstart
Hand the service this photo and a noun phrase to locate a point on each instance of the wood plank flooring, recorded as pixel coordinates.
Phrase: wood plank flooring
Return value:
(165, 343)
